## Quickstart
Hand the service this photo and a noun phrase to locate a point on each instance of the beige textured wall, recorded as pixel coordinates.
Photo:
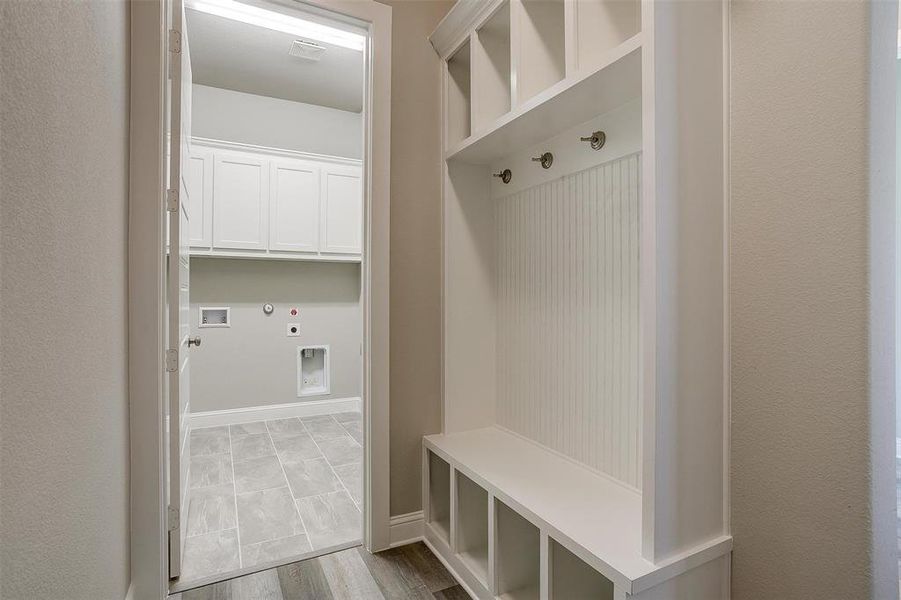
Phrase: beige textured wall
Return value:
(63, 380)
(415, 243)
(804, 420)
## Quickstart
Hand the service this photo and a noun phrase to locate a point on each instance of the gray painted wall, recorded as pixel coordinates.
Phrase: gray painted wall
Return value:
(806, 411)
(63, 301)
(254, 362)
(263, 121)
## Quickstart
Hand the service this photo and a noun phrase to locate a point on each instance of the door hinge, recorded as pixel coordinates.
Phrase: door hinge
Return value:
(171, 361)
(172, 200)
(172, 517)
(174, 41)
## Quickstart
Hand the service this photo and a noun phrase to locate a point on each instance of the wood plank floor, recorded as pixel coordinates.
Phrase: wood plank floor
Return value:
(409, 572)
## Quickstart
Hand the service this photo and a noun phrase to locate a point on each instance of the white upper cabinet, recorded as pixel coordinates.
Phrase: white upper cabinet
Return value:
(342, 209)
(254, 202)
(293, 205)
(241, 202)
(200, 197)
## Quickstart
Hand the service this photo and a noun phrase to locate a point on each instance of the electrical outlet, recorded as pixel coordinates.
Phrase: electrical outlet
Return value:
(293, 329)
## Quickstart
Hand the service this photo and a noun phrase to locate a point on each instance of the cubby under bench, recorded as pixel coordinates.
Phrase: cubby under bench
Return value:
(527, 523)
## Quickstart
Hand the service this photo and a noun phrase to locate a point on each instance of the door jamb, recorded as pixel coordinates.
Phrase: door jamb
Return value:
(146, 288)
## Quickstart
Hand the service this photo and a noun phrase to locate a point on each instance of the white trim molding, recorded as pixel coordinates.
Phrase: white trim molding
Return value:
(312, 408)
(406, 529)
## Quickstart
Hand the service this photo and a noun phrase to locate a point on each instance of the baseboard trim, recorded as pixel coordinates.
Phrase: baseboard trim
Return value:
(310, 408)
(405, 529)
(130, 594)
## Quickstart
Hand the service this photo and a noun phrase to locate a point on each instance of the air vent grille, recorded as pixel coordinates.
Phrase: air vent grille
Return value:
(306, 50)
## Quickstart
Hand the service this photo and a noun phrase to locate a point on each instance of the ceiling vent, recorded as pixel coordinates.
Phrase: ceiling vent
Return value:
(306, 50)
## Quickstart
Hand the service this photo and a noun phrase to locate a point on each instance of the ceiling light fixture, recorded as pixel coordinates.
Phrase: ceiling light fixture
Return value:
(260, 17)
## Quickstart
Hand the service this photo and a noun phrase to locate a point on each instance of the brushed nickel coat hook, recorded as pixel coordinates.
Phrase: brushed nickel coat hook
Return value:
(597, 139)
(546, 160)
(506, 175)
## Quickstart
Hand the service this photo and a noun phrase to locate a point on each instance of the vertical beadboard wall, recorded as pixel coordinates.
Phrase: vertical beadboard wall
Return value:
(567, 316)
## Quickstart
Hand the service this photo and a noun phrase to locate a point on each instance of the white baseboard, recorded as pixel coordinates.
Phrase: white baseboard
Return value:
(130, 594)
(310, 408)
(405, 529)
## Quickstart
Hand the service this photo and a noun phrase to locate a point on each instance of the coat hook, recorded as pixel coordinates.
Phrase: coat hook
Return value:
(546, 160)
(506, 175)
(597, 139)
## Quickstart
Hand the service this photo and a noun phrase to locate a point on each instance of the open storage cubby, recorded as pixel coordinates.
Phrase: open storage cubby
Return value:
(472, 526)
(492, 68)
(583, 300)
(600, 26)
(459, 98)
(571, 577)
(439, 496)
(518, 555)
(541, 49)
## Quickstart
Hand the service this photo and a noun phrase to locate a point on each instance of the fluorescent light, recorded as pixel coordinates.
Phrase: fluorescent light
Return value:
(253, 15)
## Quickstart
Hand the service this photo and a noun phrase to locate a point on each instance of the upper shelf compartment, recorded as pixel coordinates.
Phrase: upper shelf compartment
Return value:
(519, 70)
(558, 108)
(540, 47)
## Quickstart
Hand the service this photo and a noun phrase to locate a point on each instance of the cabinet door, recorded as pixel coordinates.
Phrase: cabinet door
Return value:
(342, 209)
(293, 206)
(240, 202)
(200, 194)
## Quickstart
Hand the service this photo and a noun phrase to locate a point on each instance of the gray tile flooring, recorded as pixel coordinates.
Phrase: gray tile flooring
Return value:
(270, 490)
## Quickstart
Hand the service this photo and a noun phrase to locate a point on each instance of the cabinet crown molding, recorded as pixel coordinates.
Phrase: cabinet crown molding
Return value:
(462, 18)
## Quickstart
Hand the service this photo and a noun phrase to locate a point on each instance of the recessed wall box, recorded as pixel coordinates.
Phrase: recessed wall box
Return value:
(312, 371)
(215, 316)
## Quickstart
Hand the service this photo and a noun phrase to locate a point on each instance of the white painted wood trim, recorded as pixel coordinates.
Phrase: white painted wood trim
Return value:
(463, 18)
(407, 529)
(130, 594)
(312, 408)
(146, 238)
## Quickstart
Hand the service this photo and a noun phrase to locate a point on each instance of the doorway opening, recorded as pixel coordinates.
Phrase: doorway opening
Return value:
(266, 293)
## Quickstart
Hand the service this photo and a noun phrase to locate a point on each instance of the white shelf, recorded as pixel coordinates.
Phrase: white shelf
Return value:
(558, 108)
(592, 516)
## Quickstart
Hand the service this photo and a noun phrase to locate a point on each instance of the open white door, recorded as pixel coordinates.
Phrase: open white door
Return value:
(177, 355)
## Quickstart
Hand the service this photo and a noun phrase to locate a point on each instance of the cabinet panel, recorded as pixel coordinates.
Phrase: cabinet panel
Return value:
(294, 206)
(240, 202)
(200, 198)
(342, 209)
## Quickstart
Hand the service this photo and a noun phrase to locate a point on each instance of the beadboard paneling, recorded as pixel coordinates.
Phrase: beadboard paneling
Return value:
(567, 316)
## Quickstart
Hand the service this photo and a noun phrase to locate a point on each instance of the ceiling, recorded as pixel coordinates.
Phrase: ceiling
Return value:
(236, 56)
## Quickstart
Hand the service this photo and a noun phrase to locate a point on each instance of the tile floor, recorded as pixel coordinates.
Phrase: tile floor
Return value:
(269, 490)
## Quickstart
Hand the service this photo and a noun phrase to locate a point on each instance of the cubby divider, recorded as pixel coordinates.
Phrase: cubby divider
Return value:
(439, 496)
(540, 47)
(518, 555)
(570, 577)
(597, 26)
(472, 526)
(491, 68)
(459, 97)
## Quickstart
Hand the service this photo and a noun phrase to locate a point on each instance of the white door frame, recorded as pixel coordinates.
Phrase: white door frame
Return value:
(146, 285)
